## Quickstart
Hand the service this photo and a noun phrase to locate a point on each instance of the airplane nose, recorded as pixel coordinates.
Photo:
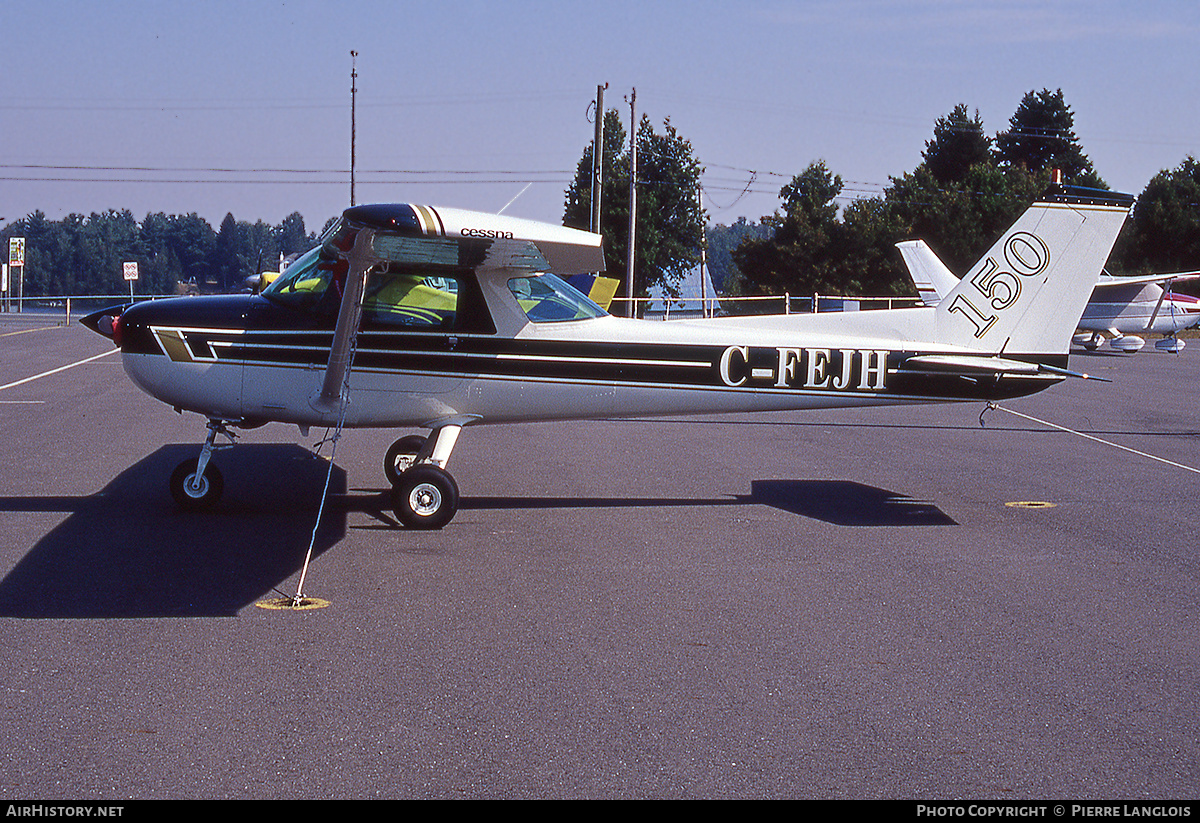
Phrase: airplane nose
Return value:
(106, 322)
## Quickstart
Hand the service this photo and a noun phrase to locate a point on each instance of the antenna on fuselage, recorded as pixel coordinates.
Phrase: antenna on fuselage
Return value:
(510, 202)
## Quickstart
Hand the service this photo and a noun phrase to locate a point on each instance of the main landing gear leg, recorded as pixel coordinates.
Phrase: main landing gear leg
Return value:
(195, 484)
(424, 494)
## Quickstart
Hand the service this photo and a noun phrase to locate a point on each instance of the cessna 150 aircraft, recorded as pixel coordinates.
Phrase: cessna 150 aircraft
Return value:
(1124, 307)
(437, 318)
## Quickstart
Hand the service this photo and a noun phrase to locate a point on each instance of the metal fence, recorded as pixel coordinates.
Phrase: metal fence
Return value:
(63, 309)
(657, 308)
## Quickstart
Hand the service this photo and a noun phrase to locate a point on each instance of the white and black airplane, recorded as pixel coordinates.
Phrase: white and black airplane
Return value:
(433, 318)
(1122, 307)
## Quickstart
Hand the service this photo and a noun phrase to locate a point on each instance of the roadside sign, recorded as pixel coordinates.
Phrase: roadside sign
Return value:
(16, 251)
(131, 272)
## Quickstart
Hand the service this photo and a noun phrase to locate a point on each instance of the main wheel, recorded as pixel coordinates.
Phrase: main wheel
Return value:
(191, 495)
(425, 498)
(400, 456)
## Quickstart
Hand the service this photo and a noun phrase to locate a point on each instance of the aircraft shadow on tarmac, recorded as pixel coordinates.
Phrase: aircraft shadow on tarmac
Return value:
(839, 502)
(128, 552)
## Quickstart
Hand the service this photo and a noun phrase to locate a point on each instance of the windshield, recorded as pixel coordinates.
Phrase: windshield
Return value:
(303, 283)
(545, 298)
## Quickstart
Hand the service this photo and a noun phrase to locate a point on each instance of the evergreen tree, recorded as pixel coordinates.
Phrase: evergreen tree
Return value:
(721, 241)
(1041, 137)
(225, 262)
(1164, 235)
(958, 143)
(292, 238)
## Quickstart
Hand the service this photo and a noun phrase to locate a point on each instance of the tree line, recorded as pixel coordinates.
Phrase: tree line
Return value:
(968, 188)
(84, 254)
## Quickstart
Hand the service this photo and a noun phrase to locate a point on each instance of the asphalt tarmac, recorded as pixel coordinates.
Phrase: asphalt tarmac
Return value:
(889, 603)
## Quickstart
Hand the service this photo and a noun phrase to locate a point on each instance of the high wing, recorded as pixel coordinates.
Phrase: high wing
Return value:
(1108, 280)
(412, 234)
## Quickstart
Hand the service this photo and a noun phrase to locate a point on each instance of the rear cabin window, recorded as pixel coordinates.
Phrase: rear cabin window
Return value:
(546, 298)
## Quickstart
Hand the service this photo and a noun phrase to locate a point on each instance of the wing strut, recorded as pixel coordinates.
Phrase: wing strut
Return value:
(360, 259)
(1166, 289)
(335, 393)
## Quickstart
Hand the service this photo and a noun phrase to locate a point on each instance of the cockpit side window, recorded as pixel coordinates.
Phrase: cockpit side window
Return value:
(422, 299)
(545, 298)
(410, 299)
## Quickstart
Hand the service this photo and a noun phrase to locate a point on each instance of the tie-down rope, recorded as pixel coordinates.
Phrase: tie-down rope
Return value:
(1089, 437)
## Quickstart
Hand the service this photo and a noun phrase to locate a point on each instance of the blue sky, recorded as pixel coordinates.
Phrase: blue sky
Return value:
(244, 107)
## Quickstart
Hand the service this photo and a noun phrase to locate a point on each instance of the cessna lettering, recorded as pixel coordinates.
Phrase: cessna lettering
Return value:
(491, 234)
(796, 368)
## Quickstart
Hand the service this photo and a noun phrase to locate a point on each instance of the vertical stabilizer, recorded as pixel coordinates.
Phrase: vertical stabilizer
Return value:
(1028, 292)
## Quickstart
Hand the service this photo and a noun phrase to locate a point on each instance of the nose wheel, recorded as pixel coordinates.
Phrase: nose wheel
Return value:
(195, 483)
(194, 490)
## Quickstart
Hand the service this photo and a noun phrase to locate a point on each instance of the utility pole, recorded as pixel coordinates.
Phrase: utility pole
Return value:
(598, 159)
(703, 255)
(631, 307)
(353, 124)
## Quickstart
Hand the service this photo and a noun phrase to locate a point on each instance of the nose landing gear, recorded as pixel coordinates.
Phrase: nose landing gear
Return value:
(195, 484)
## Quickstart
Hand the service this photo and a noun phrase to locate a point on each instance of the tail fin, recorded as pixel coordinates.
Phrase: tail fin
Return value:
(1028, 292)
(929, 274)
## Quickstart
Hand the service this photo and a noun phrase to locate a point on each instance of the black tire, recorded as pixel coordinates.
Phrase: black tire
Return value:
(425, 498)
(206, 496)
(400, 456)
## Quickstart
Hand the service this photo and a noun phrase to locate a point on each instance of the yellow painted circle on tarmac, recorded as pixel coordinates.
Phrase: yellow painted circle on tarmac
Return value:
(1030, 504)
(291, 604)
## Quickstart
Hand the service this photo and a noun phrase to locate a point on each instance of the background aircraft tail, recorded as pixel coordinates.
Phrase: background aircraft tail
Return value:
(1028, 292)
(929, 274)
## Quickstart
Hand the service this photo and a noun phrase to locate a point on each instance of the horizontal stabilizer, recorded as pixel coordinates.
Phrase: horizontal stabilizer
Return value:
(967, 365)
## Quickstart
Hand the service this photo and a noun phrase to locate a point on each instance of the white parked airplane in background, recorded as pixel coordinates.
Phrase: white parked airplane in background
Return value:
(412, 316)
(1123, 307)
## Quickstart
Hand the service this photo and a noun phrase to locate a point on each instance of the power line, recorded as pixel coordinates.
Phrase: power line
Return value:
(230, 170)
